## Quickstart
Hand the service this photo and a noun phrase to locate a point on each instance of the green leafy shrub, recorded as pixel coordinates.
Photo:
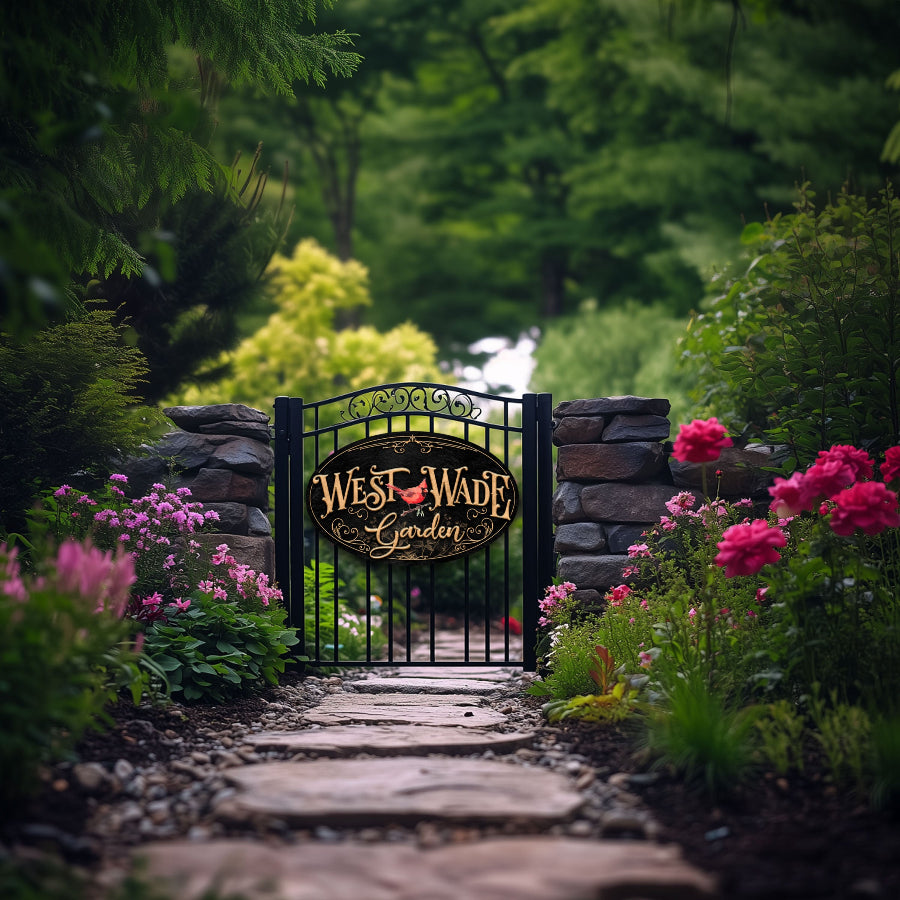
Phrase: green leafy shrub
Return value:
(803, 348)
(61, 632)
(214, 651)
(67, 403)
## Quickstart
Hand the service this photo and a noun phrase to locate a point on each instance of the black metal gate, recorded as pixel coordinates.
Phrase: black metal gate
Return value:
(349, 611)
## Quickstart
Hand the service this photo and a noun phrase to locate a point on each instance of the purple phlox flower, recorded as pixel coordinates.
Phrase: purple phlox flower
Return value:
(117, 476)
(62, 491)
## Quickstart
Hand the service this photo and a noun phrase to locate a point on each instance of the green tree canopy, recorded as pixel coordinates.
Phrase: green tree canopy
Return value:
(93, 127)
(300, 353)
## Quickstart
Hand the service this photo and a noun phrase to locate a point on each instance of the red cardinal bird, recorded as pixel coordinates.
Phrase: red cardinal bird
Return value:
(412, 496)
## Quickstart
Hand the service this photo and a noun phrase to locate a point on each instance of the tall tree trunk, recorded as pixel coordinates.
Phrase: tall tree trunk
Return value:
(553, 276)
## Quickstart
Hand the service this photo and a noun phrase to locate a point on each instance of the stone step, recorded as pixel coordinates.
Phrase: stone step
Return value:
(526, 868)
(405, 684)
(400, 790)
(496, 674)
(403, 709)
(389, 740)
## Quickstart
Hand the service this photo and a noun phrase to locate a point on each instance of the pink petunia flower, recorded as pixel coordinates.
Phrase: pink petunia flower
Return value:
(868, 506)
(701, 441)
(747, 547)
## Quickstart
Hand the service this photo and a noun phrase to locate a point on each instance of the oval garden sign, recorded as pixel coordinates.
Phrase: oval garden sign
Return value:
(412, 497)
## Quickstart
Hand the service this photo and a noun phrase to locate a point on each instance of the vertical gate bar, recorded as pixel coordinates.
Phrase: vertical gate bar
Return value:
(487, 576)
(467, 616)
(317, 593)
(506, 538)
(368, 588)
(546, 565)
(297, 510)
(530, 542)
(282, 499)
(390, 611)
(335, 604)
(433, 591)
(408, 583)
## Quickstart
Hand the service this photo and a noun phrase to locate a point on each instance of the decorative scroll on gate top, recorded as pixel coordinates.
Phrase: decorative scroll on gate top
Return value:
(418, 398)
(410, 497)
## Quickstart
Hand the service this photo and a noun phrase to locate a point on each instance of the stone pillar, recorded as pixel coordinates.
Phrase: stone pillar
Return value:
(615, 473)
(222, 454)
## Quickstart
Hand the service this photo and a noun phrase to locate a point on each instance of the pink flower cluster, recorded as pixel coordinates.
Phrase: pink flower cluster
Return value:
(615, 596)
(248, 583)
(554, 597)
(144, 522)
(104, 579)
(839, 477)
(700, 441)
(11, 583)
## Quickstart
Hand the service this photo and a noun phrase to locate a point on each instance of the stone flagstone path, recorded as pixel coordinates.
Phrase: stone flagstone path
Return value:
(432, 753)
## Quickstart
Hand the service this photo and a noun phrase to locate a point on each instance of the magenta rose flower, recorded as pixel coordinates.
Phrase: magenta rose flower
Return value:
(857, 461)
(868, 506)
(700, 441)
(890, 468)
(793, 495)
(746, 548)
(828, 477)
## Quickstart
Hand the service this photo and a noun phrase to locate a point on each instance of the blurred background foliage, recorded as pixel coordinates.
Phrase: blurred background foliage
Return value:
(572, 170)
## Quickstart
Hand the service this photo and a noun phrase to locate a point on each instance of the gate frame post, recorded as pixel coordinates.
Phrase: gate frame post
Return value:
(289, 486)
(537, 523)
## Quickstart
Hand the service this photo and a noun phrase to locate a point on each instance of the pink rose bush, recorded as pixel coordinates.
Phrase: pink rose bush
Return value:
(837, 485)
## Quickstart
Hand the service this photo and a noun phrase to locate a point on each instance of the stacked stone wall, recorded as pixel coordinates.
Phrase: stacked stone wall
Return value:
(614, 474)
(223, 454)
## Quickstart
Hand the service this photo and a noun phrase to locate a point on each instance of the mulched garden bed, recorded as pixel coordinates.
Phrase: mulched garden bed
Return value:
(791, 837)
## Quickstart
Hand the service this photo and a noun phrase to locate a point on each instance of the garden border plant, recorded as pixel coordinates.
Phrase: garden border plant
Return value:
(749, 635)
